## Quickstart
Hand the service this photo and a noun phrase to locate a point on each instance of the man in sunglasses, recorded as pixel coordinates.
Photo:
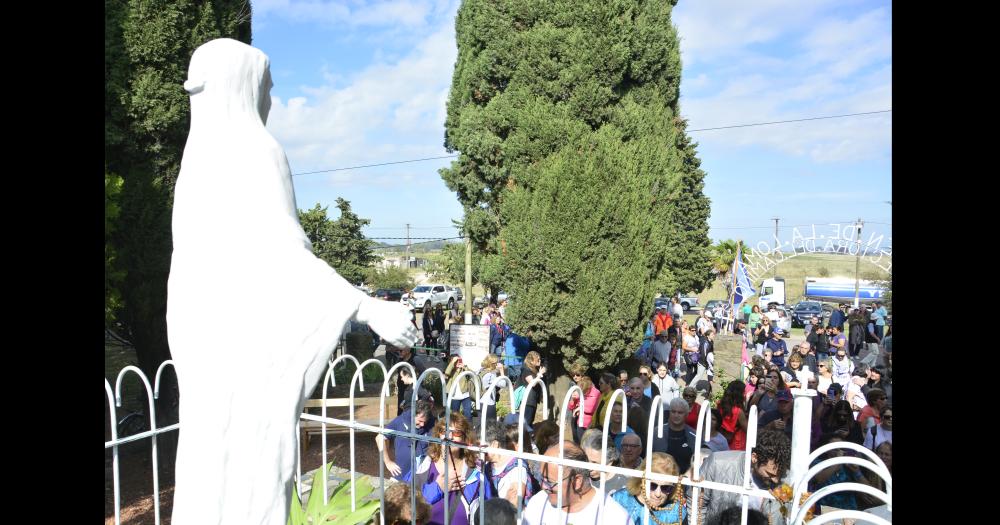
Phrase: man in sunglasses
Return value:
(769, 462)
(581, 502)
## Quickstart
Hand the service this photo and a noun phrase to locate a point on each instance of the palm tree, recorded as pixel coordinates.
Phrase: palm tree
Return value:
(723, 255)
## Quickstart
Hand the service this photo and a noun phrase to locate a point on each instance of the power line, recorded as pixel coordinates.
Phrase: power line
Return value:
(415, 243)
(688, 131)
(373, 165)
(793, 120)
(411, 227)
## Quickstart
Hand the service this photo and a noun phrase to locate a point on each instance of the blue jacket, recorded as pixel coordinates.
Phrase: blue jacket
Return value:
(837, 318)
(515, 348)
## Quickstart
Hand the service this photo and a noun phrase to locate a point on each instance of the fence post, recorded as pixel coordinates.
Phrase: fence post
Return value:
(801, 431)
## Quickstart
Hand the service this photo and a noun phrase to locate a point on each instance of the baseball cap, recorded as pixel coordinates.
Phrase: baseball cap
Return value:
(779, 331)
(664, 332)
(783, 395)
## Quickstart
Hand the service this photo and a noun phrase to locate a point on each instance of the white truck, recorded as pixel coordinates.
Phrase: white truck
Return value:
(434, 294)
(771, 291)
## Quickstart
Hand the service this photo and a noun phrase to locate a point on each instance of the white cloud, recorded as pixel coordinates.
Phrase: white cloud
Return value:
(812, 64)
(391, 13)
(712, 29)
(391, 110)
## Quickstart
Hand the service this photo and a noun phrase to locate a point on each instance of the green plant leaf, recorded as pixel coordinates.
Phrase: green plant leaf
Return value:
(315, 504)
(342, 494)
(295, 515)
(362, 515)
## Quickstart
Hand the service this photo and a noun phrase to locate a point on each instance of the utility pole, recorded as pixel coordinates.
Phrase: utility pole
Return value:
(777, 244)
(468, 279)
(857, 265)
(407, 245)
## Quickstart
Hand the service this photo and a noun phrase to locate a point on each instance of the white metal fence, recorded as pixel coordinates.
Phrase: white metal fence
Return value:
(800, 471)
(115, 402)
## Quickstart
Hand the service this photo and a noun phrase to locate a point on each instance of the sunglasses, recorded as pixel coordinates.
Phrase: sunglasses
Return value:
(643, 374)
(662, 487)
(887, 417)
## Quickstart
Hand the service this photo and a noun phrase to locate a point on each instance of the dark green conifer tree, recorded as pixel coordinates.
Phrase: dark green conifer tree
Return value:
(578, 182)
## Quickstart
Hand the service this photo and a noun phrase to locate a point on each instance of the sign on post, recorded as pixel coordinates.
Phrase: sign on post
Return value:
(471, 342)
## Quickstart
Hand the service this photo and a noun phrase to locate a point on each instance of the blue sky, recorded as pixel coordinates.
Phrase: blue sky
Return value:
(363, 82)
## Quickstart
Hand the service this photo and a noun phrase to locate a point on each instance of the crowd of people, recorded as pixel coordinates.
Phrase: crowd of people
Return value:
(853, 404)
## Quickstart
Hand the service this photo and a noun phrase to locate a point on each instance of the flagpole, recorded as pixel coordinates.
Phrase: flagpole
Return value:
(732, 293)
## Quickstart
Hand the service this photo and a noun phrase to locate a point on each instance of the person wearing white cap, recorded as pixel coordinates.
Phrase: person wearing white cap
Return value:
(704, 322)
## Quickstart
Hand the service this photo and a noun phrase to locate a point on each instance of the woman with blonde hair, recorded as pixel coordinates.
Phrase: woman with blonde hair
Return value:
(665, 501)
(490, 372)
(533, 368)
(591, 395)
(463, 476)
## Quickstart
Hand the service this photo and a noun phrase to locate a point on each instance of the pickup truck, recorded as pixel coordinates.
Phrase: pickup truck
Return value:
(687, 302)
(434, 294)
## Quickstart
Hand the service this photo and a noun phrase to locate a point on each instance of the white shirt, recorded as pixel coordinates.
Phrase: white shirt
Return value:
(690, 343)
(518, 474)
(824, 384)
(539, 512)
(678, 310)
(703, 324)
(859, 399)
(669, 388)
(881, 436)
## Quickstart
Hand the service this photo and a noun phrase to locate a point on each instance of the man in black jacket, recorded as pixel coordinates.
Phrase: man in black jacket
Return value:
(678, 439)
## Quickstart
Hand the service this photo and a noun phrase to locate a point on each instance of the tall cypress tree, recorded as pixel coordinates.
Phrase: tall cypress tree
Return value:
(577, 179)
(148, 46)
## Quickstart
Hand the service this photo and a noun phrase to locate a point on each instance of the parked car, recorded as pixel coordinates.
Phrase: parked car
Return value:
(687, 302)
(711, 304)
(433, 294)
(388, 294)
(805, 310)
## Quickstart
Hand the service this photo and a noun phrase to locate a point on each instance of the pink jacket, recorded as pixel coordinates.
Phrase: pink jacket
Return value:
(590, 400)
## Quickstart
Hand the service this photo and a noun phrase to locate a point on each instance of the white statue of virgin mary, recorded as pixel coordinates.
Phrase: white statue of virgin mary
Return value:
(252, 314)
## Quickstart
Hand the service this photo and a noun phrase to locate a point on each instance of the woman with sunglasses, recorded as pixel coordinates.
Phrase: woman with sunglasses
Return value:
(463, 476)
(665, 501)
(881, 433)
(825, 375)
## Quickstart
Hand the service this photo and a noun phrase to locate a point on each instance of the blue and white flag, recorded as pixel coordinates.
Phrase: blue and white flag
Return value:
(743, 289)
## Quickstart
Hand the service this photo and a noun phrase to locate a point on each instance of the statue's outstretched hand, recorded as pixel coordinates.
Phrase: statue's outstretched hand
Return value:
(390, 320)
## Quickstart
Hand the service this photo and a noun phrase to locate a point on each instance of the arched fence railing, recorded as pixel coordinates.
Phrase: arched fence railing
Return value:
(115, 402)
(800, 473)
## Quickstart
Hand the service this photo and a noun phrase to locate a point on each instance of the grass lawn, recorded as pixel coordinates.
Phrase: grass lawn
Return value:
(795, 271)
